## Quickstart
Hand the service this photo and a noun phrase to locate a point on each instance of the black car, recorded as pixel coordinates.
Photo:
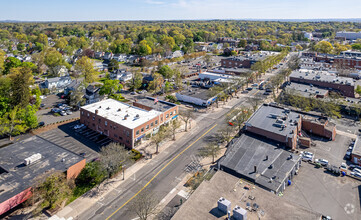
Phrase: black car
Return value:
(249, 88)
(268, 90)
(266, 93)
(41, 124)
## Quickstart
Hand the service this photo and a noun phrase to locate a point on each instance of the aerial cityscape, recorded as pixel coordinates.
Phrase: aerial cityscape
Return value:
(180, 109)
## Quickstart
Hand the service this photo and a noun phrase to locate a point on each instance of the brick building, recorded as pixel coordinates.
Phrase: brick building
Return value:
(356, 152)
(283, 125)
(324, 80)
(18, 176)
(228, 40)
(125, 123)
(238, 62)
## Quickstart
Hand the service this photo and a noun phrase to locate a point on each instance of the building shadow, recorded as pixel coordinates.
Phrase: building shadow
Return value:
(216, 213)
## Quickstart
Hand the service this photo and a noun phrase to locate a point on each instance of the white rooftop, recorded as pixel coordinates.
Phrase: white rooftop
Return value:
(116, 111)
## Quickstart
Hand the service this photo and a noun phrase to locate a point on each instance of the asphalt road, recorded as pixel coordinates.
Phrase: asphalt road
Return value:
(165, 171)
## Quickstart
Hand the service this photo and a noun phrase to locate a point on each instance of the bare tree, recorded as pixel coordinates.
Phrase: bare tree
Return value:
(225, 134)
(242, 115)
(159, 137)
(186, 116)
(255, 102)
(173, 126)
(211, 150)
(144, 205)
(112, 157)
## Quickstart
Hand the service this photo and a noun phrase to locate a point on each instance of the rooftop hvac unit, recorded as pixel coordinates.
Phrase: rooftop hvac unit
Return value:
(33, 158)
(239, 213)
(224, 205)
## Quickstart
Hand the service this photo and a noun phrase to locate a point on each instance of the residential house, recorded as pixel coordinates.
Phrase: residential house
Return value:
(121, 74)
(57, 84)
(92, 94)
(108, 56)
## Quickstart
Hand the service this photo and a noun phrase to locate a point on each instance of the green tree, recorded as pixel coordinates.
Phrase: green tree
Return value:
(324, 47)
(61, 43)
(21, 79)
(53, 191)
(91, 175)
(136, 81)
(110, 87)
(85, 66)
(11, 124)
(144, 48)
(2, 58)
(53, 59)
(166, 72)
(157, 82)
(20, 47)
(11, 62)
(242, 43)
(113, 65)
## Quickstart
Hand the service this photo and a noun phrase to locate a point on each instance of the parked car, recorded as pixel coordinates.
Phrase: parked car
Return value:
(343, 167)
(244, 92)
(307, 158)
(356, 174)
(69, 112)
(78, 126)
(55, 110)
(357, 170)
(41, 124)
(62, 113)
(132, 93)
(268, 90)
(323, 162)
(42, 105)
(249, 88)
(266, 93)
(333, 169)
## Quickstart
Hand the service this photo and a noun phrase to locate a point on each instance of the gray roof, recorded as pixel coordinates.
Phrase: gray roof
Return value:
(161, 106)
(357, 147)
(197, 92)
(321, 76)
(265, 118)
(15, 177)
(306, 90)
(250, 150)
(56, 79)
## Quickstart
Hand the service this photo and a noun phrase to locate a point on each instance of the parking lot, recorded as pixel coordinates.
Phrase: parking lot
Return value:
(333, 151)
(82, 141)
(45, 115)
(322, 192)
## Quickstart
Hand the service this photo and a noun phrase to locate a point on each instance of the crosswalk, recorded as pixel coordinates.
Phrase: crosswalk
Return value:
(64, 142)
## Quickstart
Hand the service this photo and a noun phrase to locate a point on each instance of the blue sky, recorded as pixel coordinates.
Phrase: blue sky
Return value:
(85, 10)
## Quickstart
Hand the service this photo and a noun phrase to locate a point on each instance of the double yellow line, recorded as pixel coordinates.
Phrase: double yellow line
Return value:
(165, 166)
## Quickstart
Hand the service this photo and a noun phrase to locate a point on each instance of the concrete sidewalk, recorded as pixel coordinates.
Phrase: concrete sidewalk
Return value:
(96, 195)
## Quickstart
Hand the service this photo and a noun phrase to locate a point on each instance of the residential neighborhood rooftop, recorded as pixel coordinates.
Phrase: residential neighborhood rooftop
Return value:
(15, 176)
(121, 113)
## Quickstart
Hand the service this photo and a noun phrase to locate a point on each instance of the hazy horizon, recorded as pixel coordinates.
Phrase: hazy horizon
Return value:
(161, 10)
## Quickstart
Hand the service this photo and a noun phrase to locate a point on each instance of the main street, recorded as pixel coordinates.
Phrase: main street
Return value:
(166, 170)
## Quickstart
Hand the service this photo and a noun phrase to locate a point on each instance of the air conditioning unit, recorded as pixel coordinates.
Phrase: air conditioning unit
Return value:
(32, 159)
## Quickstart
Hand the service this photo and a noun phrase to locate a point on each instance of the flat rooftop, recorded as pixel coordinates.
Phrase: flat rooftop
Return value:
(197, 92)
(15, 177)
(305, 90)
(202, 204)
(271, 118)
(160, 106)
(271, 160)
(357, 146)
(116, 111)
(322, 76)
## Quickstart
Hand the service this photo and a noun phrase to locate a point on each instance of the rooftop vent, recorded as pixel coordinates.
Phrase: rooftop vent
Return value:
(33, 158)
(100, 106)
(119, 109)
(108, 108)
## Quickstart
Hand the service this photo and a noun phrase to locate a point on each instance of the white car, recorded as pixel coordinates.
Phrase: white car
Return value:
(356, 174)
(307, 158)
(62, 113)
(356, 170)
(343, 166)
(323, 162)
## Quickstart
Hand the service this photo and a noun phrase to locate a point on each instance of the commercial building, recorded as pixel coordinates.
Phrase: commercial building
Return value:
(239, 62)
(261, 161)
(275, 123)
(216, 76)
(325, 80)
(202, 204)
(349, 35)
(231, 71)
(22, 163)
(348, 59)
(197, 96)
(125, 123)
(305, 90)
(283, 125)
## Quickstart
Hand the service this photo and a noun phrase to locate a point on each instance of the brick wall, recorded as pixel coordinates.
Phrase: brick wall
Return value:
(346, 90)
(319, 129)
(74, 170)
(15, 200)
(290, 142)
